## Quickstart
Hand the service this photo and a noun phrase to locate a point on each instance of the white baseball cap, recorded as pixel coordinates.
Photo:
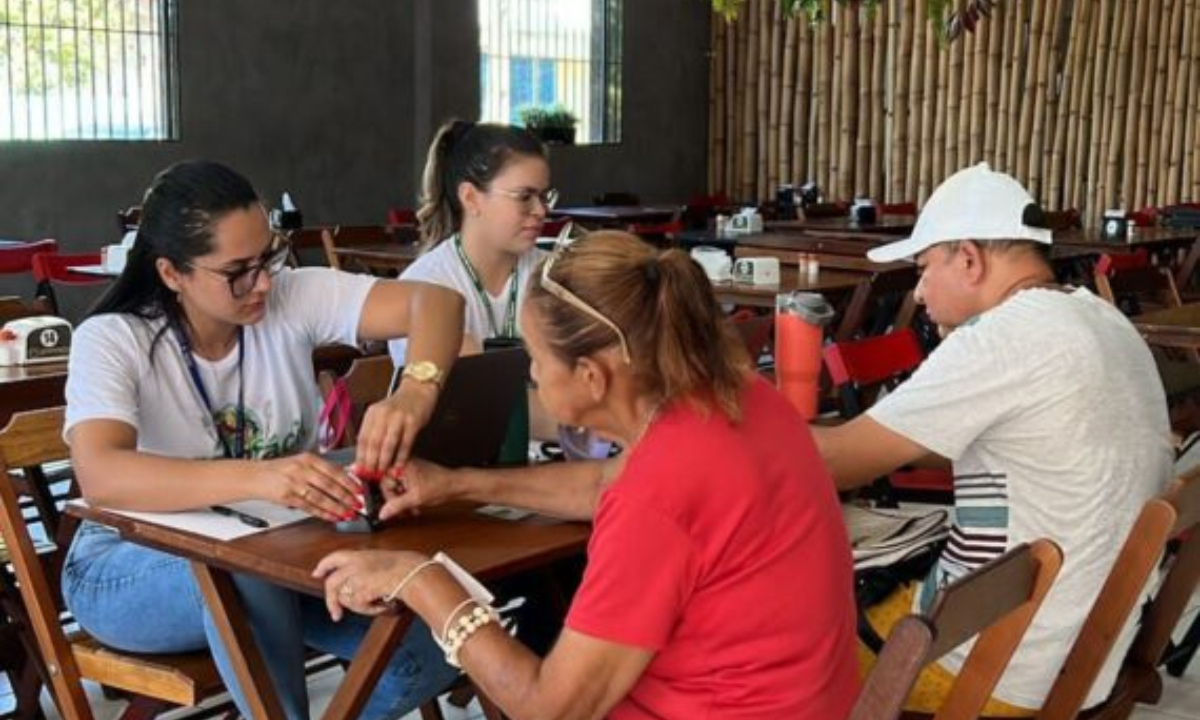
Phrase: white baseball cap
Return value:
(972, 204)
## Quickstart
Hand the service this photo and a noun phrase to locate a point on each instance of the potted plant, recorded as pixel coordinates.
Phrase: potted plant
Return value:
(552, 124)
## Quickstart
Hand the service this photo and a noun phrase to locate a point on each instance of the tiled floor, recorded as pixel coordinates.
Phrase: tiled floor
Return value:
(1181, 697)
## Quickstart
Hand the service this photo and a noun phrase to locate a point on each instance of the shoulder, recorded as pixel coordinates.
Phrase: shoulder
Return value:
(437, 264)
(116, 330)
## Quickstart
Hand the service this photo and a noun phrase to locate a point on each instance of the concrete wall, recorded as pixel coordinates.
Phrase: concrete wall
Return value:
(336, 102)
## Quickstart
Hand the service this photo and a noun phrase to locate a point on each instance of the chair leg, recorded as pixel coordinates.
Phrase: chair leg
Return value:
(432, 710)
(1180, 656)
(490, 710)
(144, 708)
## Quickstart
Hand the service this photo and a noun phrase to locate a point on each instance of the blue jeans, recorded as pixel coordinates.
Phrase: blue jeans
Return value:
(137, 599)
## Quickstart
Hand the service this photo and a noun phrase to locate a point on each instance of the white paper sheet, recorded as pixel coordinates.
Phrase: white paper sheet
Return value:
(210, 524)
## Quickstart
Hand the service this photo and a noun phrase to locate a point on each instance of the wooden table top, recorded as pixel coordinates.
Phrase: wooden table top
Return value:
(885, 225)
(790, 280)
(617, 214)
(1137, 237)
(485, 546)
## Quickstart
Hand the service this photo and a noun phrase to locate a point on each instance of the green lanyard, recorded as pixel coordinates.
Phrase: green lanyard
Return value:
(510, 313)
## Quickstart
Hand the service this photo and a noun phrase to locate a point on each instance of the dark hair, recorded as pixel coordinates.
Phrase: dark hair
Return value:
(464, 151)
(178, 213)
(680, 343)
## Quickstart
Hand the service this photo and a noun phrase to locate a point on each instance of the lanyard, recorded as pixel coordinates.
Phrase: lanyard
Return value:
(510, 312)
(185, 348)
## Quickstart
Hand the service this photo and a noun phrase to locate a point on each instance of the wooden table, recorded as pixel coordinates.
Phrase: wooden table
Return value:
(1172, 327)
(1148, 237)
(31, 387)
(885, 225)
(616, 215)
(763, 296)
(389, 256)
(487, 547)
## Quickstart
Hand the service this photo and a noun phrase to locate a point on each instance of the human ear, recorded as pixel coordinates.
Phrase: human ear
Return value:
(469, 198)
(167, 273)
(594, 376)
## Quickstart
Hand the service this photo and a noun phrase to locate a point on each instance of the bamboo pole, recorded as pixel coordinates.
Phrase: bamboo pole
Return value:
(824, 104)
(952, 96)
(879, 107)
(1137, 133)
(847, 110)
(763, 99)
(1077, 118)
(1122, 37)
(1057, 195)
(994, 65)
(801, 108)
(787, 115)
(864, 111)
(940, 99)
(1105, 29)
(913, 99)
(1163, 106)
(1125, 135)
(1017, 58)
(716, 91)
(1179, 169)
(747, 41)
(1190, 188)
(928, 116)
(1030, 103)
(977, 119)
(1005, 128)
(729, 103)
(775, 69)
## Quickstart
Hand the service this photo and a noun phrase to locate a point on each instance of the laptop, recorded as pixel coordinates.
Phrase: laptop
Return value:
(473, 410)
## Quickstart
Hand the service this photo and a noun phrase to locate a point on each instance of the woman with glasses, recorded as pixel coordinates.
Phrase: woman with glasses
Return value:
(718, 580)
(191, 386)
(485, 194)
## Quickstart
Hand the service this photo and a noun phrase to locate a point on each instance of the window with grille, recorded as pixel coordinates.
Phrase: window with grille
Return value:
(88, 70)
(553, 52)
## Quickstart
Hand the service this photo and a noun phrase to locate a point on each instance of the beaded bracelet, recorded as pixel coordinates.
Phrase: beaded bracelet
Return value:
(395, 593)
(459, 630)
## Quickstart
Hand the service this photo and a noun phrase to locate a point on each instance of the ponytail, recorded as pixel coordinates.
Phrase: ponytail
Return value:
(463, 151)
(684, 348)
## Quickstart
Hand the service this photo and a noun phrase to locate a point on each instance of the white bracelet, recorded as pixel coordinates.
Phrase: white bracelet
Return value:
(395, 593)
(463, 628)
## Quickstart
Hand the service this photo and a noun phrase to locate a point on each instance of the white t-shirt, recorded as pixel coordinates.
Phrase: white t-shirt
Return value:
(1051, 409)
(112, 376)
(442, 266)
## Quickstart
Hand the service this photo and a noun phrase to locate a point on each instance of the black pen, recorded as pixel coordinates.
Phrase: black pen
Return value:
(246, 518)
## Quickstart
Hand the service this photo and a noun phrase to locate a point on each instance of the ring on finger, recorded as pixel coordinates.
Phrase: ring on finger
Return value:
(347, 589)
(304, 493)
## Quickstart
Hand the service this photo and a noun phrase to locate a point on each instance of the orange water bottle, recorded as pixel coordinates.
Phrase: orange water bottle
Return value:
(800, 320)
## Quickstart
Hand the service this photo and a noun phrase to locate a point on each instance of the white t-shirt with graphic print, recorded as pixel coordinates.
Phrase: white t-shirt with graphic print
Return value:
(1053, 414)
(442, 266)
(111, 374)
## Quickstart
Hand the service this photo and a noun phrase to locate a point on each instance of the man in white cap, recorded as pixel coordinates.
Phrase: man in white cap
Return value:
(1046, 402)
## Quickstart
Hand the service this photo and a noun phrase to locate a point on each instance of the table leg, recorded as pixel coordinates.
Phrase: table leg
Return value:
(375, 652)
(226, 608)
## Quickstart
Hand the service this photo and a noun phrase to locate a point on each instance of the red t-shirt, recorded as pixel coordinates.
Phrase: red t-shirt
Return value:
(721, 548)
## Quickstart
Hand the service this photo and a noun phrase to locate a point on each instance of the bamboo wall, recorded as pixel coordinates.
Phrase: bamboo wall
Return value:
(1092, 104)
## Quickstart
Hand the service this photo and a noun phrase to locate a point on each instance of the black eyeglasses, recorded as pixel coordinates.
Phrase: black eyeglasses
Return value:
(243, 280)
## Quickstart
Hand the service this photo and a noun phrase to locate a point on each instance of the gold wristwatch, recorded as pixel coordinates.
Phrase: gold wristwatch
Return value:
(423, 371)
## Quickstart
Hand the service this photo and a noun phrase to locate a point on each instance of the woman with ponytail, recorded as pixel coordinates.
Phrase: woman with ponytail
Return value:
(705, 529)
(190, 385)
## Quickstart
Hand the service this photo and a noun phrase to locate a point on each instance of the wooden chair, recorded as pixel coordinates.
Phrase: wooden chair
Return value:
(157, 682)
(756, 332)
(662, 233)
(52, 268)
(883, 302)
(1171, 515)
(860, 370)
(996, 602)
(1130, 282)
(350, 236)
(347, 398)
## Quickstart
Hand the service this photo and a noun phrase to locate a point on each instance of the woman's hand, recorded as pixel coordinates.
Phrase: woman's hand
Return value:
(309, 483)
(390, 427)
(360, 580)
(421, 484)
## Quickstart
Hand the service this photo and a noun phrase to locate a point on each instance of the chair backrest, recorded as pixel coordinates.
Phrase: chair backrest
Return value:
(884, 301)
(347, 397)
(14, 308)
(861, 368)
(755, 331)
(1129, 280)
(1175, 513)
(349, 236)
(899, 208)
(1059, 220)
(18, 259)
(34, 439)
(400, 217)
(52, 268)
(995, 602)
(654, 232)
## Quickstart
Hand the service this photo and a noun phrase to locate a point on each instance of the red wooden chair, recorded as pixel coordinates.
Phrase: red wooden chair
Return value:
(860, 370)
(401, 217)
(18, 259)
(50, 269)
(662, 233)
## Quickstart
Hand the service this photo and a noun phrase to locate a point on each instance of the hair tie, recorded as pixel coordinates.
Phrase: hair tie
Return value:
(652, 271)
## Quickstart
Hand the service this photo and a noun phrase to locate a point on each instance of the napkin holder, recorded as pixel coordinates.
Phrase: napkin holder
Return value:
(746, 222)
(756, 271)
(33, 340)
(716, 263)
